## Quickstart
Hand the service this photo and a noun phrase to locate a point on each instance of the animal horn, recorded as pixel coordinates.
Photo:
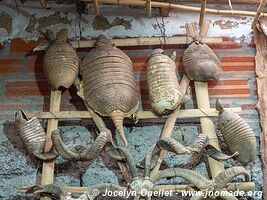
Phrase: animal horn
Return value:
(227, 175)
(219, 106)
(130, 161)
(218, 155)
(117, 118)
(148, 159)
(171, 145)
(192, 176)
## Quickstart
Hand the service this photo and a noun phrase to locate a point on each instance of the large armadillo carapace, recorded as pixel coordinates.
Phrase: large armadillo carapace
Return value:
(237, 134)
(164, 91)
(61, 63)
(199, 61)
(108, 83)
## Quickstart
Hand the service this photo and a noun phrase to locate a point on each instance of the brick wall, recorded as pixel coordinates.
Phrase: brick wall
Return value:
(23, 85)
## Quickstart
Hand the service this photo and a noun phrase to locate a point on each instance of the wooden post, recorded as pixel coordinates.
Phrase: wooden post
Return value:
(259, 11)
(96, 7)
(149, 9)
(48, 167)
(202, 12)
(207, 125)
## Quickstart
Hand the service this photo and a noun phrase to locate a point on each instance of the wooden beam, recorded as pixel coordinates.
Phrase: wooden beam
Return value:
(202, 12)
(208, 128)
(48, 166)
(179, 7)
(96, 7)
(149, 9)
(258, 14)
(242, 186)
(222, 1)
(141, 41)
(188, 113)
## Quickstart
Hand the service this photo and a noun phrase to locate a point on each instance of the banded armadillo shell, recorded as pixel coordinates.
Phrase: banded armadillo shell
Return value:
(200, 63)
(108, 83)
(238, 136)
(164, 90)
(61, 65)
(32, 135)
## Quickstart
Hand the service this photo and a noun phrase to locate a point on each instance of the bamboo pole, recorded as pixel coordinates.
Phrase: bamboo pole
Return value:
(141, 41)
(178, 7)
(48, 166)
(202, 12)
(242, 186)
(207, 125)
(222, 1)
(149, 9)
(187, 113)
(96, 7)
(259, 11)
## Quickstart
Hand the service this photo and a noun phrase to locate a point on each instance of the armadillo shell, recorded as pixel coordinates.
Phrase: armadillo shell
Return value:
(32, 135)
(200, 63)
(108, 81)
(164, 90)
(61, 65)
(238, 136)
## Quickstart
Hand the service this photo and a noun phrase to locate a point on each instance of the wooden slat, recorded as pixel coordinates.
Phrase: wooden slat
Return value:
(141, 41)
(96, 7)
(188, 113)
(149, 9)
(202, 12)
(202, 96)
(48, 167)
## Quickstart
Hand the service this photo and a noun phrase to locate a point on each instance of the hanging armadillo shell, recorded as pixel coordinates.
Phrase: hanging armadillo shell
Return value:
(32, 135)
(164, 90)
(200, 63)
(61, 65)
(237, 134)
(108, 83)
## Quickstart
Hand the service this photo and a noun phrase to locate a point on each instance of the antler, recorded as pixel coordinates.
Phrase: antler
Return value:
(80, 153)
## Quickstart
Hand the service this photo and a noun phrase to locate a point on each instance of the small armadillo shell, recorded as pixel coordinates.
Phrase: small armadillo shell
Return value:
(61, 65)
(31, 133)
(164, 90)
(200, 63)
(108, 81)
(238, 136)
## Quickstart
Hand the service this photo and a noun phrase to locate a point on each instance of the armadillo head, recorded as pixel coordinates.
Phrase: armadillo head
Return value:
(103, 41)
(219, 106)
(117, 118)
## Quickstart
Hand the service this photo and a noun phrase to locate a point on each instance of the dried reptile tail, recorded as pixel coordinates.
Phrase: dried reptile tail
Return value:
(227, 175)
(117, 118)
(130, 161)
(32, 135)
(80, 153)
(193, 177)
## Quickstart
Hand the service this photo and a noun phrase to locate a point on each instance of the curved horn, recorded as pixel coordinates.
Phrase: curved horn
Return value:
(130, 161)
(101, 188)
(148, 159)
(192, 176)
(33, 135)
(200, 143)
(218, 155)
(227, 175)
(171, 145)
(117, 118)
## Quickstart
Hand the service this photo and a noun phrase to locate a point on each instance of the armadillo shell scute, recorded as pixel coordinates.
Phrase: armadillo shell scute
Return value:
(200, 63)
(238, 136)
(164, 90)
(61, 65)
(32, 134)
(111, 90)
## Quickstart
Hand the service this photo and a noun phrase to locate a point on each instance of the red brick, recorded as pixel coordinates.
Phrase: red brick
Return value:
(19, 45)
(238, 66)
(229, 91)
(238, 58)
(229, 81)
(10, 66)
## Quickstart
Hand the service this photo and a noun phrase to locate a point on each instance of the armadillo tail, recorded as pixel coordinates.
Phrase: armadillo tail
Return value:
(219, 106)
(117, 118)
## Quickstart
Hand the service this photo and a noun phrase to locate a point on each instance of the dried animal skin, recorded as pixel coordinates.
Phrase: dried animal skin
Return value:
(164, 91)
(108, 83)
(237, 134)
(200, 63)
(32, 135)
(61, 64)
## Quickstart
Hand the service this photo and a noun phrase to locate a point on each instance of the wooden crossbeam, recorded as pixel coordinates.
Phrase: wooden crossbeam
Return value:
(141, 41)
(188, 113)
